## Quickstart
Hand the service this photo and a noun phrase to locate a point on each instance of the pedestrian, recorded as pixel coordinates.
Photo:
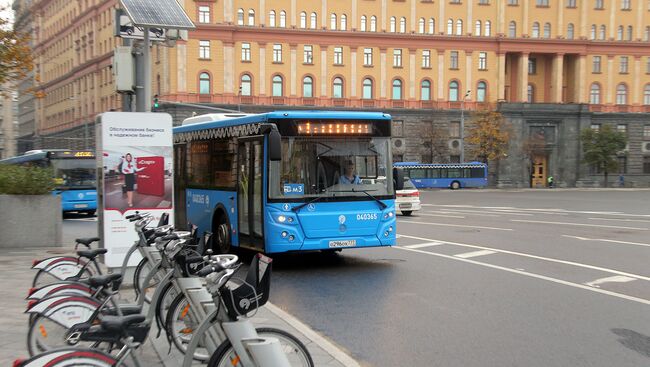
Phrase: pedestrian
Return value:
(621, 180)
(550, 181)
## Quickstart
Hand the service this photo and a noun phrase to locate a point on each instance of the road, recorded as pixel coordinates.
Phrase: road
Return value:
(485, 278)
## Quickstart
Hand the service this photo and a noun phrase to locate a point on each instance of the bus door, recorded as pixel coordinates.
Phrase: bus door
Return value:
(249, 192)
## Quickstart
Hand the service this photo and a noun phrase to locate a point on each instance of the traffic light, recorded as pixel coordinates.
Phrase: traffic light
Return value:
(155, 102)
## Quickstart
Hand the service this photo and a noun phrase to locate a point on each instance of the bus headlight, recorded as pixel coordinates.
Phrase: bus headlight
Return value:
(282, 218)
(291, 238)
(284, 234)
(390, 214)
(390, 229)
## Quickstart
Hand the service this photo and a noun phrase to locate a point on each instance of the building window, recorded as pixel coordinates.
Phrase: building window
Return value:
(621, 94)
(646, 95)
(622, 128)
(532, 66)
(277, 52)
(245, 85)
(488, 28)
(481, 92)
(453, 61)
(313, 21)
(362, 26)
(595, 65)
(603, 31)
(204, 83)
(450, 27)
(283, 19)
(277, 86)
(204, 14)
(303, 20)
(592, 34)
(570, 31)
(646, 132)
(625, 5)
(459, 27)
(367, 89)
(623, 65)
(629, 33)
(530, 94)
(646, 34)
(594, 94)
(373, 24)
(204, 49)
(454, 129)
(308, 54)
(421, 25)
(344, 22)
(646, 165)
(307, 87)
(426, 58)
(393, 24)
(425, 90)
(482, 60)
(453, 91)
(240, 16)
(333, 22)
(512, 29)
(432, 26)
(272, 18)
(367, 56)
(477, 28)
(599, 4)
(337, 88)
(397, 89)
(245, 51)
(619, 33)
(338, 55)
(402, 25)
(535, 33)
(595, 127)
(397, 58)
(647, 65)
(547, 30)
(571, 3)
(542, 2)
(251, 17)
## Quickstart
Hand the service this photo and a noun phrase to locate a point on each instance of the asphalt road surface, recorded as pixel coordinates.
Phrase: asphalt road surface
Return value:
(484, 278)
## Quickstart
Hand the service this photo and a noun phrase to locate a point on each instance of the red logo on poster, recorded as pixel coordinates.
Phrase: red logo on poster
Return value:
(151, 180)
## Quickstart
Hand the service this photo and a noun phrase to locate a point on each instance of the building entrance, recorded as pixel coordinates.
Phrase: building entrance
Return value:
(538, 176)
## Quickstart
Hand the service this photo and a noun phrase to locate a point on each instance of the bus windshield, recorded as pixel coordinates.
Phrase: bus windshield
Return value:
(74, 173)
(331, 167)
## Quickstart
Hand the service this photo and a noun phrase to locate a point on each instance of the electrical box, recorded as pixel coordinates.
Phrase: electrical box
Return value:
(123, 69)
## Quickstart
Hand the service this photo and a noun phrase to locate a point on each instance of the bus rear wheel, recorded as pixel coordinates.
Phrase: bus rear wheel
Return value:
(455, 185)
(222, 238)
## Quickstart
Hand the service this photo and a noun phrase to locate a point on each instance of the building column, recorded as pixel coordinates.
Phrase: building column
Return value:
(612, 19)
(414, 21)
(293, 65)
(262, 76)
(501, 84)
(227, 11)
(524, 22)
(470, 20)
(639, 20)
(610, 79)
(558, 74)
(636, 90)
(262, 12)
(584, 32)
(382, 73)
(501, 19)
(412, 82)
(325, 18)
(560, 20)
(181, 67)
(442, 23)
(581, 79)
(353, 73)
(354, 20)
(382, 20)
(228, 68)
(441, 73)
(292, 14)
(522, 77)
(323, 71)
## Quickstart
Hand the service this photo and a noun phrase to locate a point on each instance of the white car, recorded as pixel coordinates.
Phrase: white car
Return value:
(408, 199)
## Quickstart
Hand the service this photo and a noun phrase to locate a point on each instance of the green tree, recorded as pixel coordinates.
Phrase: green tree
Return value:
(15, 54)
(488, 136)
(601, 147)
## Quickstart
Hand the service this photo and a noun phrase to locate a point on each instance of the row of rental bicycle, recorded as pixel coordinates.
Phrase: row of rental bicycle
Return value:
(196, 299)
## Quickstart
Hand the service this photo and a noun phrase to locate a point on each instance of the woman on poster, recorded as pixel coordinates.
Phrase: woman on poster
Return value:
(129, 169)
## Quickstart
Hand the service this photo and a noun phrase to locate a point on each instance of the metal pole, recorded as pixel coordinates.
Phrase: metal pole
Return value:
(147, 71)
(462, 130)
(139, 78)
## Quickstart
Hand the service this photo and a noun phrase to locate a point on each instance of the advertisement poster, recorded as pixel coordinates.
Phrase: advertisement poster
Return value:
(136, 175)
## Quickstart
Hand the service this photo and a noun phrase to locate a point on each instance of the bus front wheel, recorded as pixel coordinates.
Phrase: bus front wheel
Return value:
(222, 237)
(455, 185)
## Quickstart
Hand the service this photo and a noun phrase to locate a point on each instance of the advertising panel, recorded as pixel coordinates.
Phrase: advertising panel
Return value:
(136, 175)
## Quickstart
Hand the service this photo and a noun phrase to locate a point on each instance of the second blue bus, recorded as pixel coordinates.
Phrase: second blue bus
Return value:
(454, 175)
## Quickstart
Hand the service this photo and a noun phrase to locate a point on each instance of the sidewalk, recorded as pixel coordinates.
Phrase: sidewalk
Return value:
(18, 275)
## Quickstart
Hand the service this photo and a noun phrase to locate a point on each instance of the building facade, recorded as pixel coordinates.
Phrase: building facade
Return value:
(26, 114)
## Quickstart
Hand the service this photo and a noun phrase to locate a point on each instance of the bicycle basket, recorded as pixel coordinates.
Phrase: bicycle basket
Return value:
(254, 292)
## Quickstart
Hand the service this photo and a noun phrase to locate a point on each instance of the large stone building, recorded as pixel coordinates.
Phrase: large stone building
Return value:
(25, 136)
(552, 68)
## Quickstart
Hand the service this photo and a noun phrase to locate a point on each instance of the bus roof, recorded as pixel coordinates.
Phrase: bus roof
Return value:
(438, 165)
(281, 115)
(29, 157)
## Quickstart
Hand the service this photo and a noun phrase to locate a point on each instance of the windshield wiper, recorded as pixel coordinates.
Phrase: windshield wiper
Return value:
(296, 208)
(381, 204)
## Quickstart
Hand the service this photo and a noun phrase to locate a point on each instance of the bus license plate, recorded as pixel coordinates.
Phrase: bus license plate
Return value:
(343, 243)
(79, 206)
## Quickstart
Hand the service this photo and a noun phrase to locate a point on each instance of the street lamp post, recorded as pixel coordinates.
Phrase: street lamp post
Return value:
(462, 126)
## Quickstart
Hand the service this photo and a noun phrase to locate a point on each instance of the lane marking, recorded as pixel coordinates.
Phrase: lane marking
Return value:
(427, 244)
(577, 224)
(586, 266)
(441, 215)
(544, 211)
(606, 240)
(455, 225)
(467, 255)
(615, 279)
(532, 275)
(455, 211)
(623, 220)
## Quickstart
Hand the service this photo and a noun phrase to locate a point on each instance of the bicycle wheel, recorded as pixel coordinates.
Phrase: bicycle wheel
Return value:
(180, 326)
(45, 334)
(142, 270)
(71, 357)
(294, 349)
(43, 278)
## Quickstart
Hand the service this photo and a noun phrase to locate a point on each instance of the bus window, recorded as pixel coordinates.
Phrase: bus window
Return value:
(454, 173)
(434, 172)
(477, 172)
(417, 173)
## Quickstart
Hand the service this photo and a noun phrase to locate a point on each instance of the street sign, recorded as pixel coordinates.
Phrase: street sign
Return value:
(159, 13)
(128, 30)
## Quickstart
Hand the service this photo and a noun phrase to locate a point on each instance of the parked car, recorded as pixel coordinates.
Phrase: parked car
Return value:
(407, 200)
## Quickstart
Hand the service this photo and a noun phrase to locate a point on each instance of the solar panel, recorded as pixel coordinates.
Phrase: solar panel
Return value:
(157, 13)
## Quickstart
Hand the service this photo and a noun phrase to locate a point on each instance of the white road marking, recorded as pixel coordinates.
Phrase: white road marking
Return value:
(606, 240)
(427, 244)
(441, 215)
(623, 220)
(94, 219)
(467, 255)
(577, 224)
(586, 266)
(532, 275)
(615, 279)
(475, 213)
(455, 225)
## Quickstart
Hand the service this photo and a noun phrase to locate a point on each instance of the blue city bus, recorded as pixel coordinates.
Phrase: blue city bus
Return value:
(74, 175)
(273, 182)
(453, 175)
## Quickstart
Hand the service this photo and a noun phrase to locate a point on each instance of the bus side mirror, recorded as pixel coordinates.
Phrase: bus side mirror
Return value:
(275, 146)
(398, 179)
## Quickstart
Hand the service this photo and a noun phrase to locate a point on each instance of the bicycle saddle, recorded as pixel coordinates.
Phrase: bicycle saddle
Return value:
(92, 254)
(120, 323)
(87, 240)
(97, 281)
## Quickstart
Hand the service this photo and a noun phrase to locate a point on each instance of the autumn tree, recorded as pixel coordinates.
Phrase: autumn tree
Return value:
(487, 136)
(601, 147)
(436, 138)
(15, 54)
